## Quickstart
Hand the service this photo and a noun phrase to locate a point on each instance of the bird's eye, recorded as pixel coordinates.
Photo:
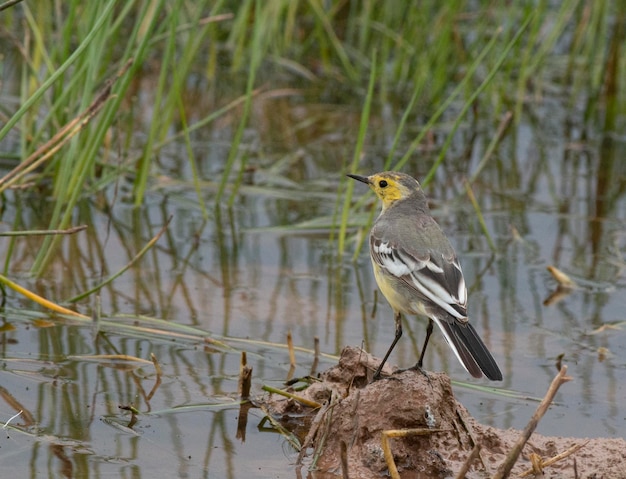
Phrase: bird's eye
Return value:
(382, 184)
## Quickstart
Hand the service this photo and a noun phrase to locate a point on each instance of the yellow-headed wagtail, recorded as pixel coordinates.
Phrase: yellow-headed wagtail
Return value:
(418, 272)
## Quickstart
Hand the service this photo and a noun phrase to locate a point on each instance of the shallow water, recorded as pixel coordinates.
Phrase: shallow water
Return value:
(551, 195)
(235, 279)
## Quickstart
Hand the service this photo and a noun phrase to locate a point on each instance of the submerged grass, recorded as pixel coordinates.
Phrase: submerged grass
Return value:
(440, 60)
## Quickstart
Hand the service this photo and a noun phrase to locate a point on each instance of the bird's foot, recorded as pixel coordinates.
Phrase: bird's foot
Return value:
(418, 367)
(378, 376)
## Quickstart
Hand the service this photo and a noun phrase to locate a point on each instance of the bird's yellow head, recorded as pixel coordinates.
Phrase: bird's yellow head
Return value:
(390, 186)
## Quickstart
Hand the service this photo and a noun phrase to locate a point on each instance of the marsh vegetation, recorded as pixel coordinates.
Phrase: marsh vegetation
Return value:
(204, 145)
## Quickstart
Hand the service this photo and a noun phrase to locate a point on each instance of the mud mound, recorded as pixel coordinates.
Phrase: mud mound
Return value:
(428, 432)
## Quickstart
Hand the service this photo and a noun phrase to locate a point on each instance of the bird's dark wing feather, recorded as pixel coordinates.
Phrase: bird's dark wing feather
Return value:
(431, 272)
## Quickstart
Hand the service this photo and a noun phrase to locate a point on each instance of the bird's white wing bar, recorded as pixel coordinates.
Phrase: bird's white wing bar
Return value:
(437, 293)
(426, 276)
(433, 267)
(386, 256)
(462, 288)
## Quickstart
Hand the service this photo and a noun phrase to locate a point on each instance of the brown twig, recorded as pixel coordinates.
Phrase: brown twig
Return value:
(8, 4)
(27, 418)
(159, 373)
(343, 454)
(391, 433)
(245, 377)
(316, 357)
(468, 462)
(563, 279)
(470, 432)
(290, 437)
(559, 457)
(292, 356)
(328, 418)
(505, 468)
(313, 429)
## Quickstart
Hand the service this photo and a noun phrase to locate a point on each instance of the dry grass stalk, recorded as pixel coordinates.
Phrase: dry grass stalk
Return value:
(468, 462)
(245, 377)
(391, 433)
(505, 468)
(553, 460)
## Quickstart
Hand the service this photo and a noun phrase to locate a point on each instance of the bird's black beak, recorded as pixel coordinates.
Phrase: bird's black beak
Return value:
(362, 179)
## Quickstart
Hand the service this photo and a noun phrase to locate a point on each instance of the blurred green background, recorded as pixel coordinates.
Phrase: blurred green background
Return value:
(239, 120)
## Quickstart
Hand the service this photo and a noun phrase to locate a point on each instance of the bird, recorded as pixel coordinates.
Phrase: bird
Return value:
(418, 272)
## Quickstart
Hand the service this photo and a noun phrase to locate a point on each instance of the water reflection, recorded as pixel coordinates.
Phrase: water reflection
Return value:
(549, 195)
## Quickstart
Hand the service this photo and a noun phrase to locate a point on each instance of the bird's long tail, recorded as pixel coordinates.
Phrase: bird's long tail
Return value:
(470, 349)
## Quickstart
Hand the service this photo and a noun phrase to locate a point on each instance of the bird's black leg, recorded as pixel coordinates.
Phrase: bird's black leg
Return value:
(398, 319)
(429, 331)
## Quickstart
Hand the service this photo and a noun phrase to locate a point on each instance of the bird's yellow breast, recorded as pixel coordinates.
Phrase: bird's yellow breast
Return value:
(392, 289)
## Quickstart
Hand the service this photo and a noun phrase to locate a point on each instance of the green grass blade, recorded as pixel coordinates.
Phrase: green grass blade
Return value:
(365, 117)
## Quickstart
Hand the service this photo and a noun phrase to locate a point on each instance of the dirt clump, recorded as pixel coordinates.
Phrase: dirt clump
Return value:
(346, 433)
